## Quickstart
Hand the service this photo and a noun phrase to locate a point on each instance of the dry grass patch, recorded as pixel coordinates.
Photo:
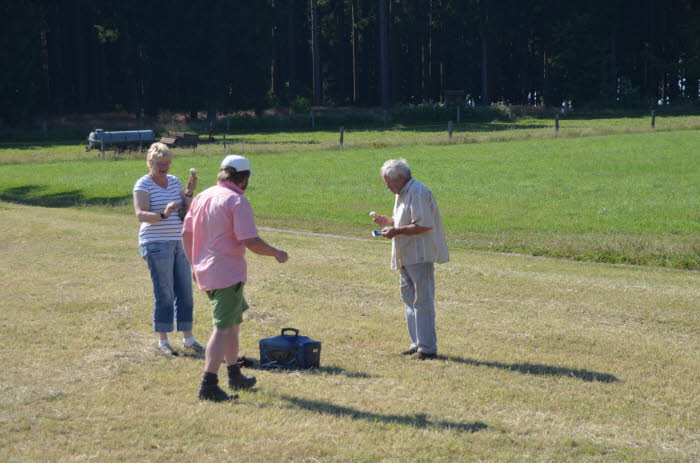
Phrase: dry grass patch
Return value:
(541, 359)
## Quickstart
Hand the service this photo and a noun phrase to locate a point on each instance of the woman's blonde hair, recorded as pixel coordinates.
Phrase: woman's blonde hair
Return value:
(158, 150)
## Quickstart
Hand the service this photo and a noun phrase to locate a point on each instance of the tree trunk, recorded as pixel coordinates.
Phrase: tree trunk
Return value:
(384, 55)
(484, 70)
(354, 53)
(79, 52)
(292, 54)
(315, 52)
(484, 55)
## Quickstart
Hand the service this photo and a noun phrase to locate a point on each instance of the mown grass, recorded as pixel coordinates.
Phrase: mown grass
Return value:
(541, 359)
(397, 136)
(620, 199)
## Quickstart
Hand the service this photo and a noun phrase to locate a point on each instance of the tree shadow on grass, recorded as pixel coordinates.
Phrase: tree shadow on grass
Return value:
(467, 127)
(538, 369)
(31, 195)
(251, 141)
(418, 420)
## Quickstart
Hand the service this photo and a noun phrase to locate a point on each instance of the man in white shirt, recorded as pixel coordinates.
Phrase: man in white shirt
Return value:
(418, 243)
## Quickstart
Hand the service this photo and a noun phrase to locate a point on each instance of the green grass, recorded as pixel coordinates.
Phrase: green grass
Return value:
(622, 199)
(403, 136)
(541, 359)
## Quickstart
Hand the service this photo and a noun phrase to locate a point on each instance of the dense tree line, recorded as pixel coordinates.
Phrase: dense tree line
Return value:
(223, 55)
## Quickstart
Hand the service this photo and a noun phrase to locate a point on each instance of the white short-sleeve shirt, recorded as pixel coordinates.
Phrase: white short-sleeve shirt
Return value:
(416, 204)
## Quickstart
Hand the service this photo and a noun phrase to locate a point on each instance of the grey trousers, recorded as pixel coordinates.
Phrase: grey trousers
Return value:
(418, 294)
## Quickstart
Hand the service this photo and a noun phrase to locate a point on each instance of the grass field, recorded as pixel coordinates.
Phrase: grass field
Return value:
(541, 359)
(434, 134)
(631, 198)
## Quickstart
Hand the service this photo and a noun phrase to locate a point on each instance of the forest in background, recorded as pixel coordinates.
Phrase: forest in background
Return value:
(230, 55)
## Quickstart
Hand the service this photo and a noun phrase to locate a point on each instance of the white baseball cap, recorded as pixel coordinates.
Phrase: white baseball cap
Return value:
(237, 162)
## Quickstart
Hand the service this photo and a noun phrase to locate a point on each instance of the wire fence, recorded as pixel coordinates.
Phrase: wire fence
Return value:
(434, 133)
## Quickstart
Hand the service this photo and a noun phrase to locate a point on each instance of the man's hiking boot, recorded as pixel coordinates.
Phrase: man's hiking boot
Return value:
(214, 393)
(237, 380)
(409, 351)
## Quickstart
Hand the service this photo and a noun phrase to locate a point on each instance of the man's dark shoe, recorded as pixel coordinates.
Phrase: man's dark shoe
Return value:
(423, 356)
(214, 393)
(410, 351)
(237, 380)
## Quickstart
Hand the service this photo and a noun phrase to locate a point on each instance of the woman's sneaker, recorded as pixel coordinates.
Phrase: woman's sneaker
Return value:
(167, 350)
(214, 393)
(195, 349)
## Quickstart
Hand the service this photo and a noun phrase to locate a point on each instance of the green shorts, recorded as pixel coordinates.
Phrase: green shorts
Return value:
(228, 305)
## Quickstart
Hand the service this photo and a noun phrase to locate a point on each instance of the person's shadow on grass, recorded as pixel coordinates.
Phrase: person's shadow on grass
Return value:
(538, 369)
(419, 420)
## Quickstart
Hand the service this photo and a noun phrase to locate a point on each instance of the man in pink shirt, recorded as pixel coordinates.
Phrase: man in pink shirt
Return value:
(218, 229)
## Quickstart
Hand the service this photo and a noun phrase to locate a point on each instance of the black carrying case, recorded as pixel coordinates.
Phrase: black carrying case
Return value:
(290, 351)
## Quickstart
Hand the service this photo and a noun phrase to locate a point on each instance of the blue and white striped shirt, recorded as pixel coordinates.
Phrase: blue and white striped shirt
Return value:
(169, 229)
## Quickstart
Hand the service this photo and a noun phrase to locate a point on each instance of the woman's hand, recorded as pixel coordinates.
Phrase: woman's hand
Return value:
(171, 207)
(191, 185)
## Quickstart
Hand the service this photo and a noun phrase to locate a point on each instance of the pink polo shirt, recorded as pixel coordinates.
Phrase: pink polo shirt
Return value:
(220, 218)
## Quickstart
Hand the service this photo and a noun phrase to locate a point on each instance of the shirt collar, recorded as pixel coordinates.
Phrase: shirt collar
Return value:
(406, 186)
(232, 186)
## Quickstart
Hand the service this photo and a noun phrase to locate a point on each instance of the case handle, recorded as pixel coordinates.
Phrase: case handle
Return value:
(296, 331)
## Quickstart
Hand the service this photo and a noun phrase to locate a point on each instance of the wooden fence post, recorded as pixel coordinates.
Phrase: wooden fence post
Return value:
(449, 130)
(224, 140)
(653, 119)
(342, 133)
(556, 123)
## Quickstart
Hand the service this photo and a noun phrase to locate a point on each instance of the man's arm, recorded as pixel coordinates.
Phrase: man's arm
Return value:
(383, 220)
(259, 246)
(410, 229)
(187, 244)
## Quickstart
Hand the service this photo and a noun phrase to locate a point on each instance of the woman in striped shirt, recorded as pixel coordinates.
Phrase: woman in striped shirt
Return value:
(158, 199)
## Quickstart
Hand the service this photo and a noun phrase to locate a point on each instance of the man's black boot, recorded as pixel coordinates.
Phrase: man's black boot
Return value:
(210, 390)
(237, 380)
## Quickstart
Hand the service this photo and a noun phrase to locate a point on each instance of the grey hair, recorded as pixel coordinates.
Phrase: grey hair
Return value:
(395, 168)
(158, 150)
